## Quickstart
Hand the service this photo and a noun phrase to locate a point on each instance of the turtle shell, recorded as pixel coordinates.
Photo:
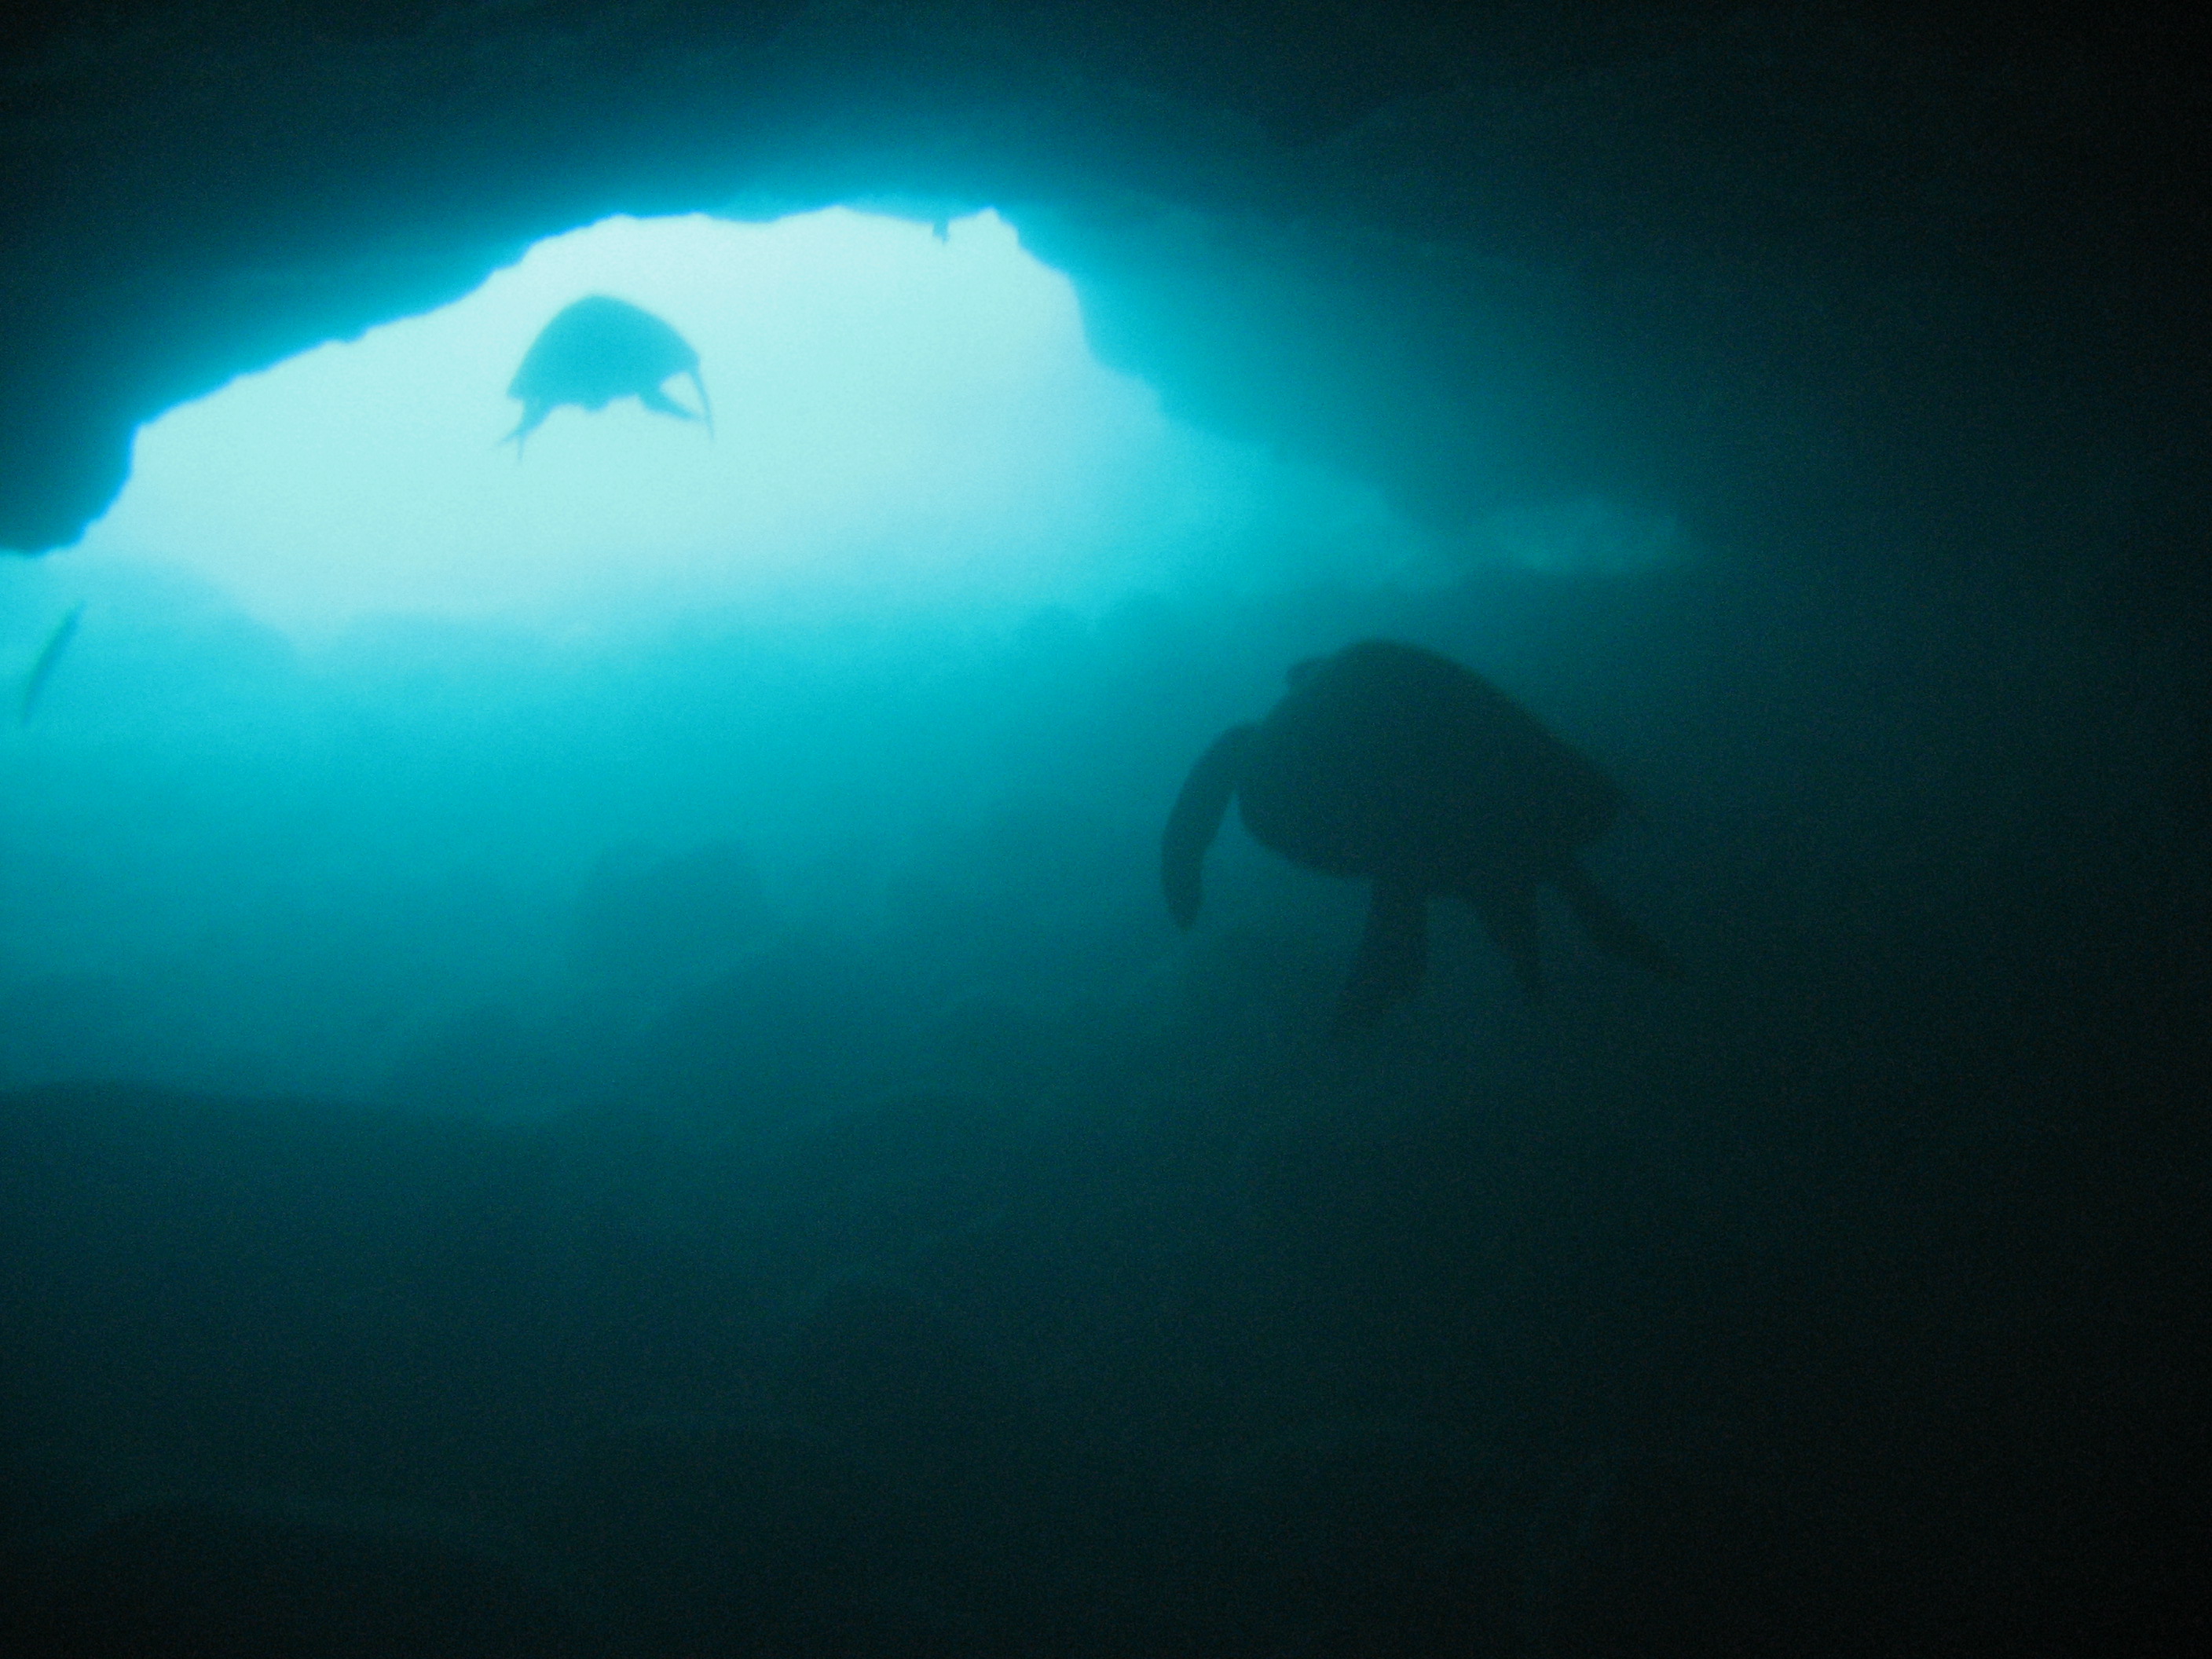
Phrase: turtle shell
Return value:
(1389, 759)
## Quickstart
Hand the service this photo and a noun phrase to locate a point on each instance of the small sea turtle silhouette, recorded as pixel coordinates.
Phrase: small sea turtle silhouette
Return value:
(599, 349)
(1392, 763)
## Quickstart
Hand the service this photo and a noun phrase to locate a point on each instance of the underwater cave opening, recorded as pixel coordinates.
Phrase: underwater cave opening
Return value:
(903, 416)
(368, 709)
(377, 734)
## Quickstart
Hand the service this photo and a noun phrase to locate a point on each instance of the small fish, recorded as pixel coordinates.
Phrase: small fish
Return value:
(597, 351)
(42, 670)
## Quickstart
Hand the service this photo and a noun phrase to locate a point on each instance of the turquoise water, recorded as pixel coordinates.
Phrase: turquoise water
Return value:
(594, 1059)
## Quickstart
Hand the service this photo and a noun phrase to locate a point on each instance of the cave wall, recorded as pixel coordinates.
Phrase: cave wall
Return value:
(1744, 257)
(1837, 287)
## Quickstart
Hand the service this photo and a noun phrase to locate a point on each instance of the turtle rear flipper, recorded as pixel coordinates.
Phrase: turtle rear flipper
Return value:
(1197, 818)
(1393, 952)
(1608, 925)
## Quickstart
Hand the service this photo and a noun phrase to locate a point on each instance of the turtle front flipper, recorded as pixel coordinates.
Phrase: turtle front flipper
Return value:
(658, 401)
(533, 416)
(1196, 818)
(656, 398)
(705, 403)
(1393, 952)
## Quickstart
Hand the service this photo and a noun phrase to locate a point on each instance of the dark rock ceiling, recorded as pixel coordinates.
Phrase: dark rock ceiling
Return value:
(1810, 273)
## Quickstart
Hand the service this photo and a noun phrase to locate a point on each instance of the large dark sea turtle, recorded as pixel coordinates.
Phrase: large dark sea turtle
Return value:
(1392, 763)
(597, 351)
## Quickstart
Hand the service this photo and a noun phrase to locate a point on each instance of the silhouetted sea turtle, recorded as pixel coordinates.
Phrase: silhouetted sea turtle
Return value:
(1392, 763)
(599, 349)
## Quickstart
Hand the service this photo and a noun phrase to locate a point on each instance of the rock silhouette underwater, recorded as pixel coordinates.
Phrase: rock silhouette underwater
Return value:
(599, 349)
(1392, 763)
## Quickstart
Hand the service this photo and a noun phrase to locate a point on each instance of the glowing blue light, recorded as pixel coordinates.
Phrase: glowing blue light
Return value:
(901, 419)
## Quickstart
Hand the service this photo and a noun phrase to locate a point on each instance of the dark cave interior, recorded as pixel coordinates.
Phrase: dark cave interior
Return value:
(1752, 248)
(1158, 1332)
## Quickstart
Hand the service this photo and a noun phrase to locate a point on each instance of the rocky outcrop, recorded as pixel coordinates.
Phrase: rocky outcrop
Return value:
(1747, 255)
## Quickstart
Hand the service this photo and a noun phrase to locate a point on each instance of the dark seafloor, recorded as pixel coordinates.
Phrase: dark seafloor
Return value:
(885, 1234)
